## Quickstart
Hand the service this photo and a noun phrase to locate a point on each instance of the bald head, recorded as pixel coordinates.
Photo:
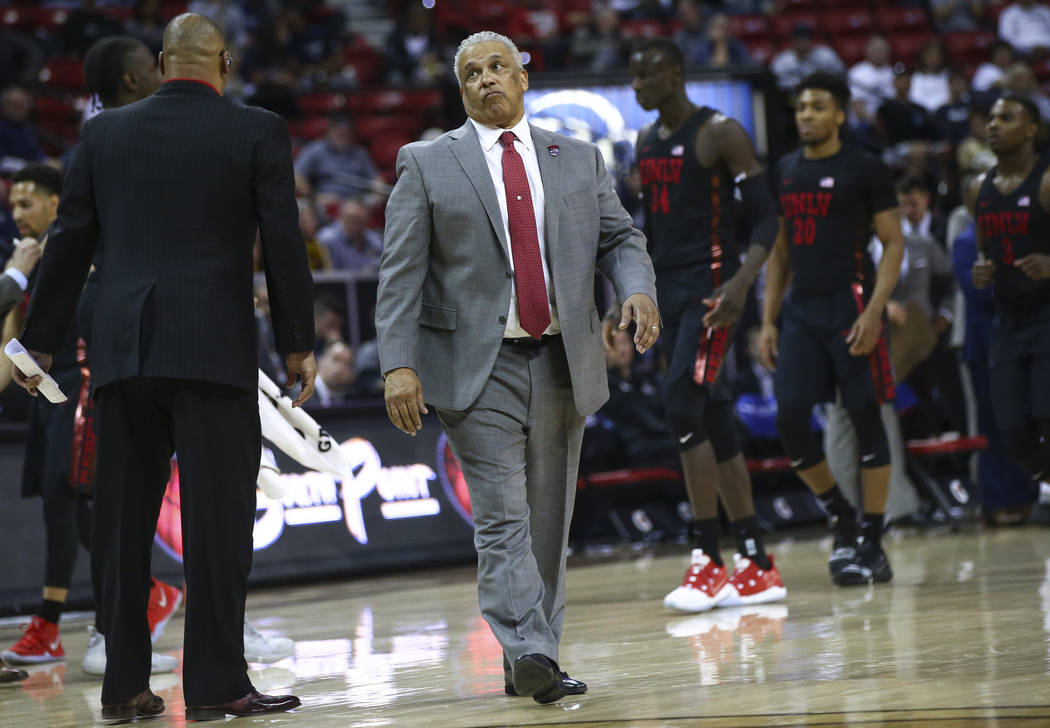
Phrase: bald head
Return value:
(194, 47)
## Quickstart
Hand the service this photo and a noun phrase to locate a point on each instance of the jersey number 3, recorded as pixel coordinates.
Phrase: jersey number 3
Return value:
(805, 230)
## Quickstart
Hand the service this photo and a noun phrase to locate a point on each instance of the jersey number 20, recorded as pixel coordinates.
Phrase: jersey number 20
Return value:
(805, 230)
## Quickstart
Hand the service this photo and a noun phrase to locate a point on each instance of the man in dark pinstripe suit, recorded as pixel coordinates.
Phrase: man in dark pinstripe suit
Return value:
(170, 192)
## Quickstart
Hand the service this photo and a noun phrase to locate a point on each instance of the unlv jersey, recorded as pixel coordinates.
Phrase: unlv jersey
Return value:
(1013, 226)
(690, 210)
(828, 205)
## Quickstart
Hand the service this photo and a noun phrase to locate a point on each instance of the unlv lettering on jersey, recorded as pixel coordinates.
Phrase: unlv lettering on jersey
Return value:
(1003, 223)
(810, 204)
(660, 170)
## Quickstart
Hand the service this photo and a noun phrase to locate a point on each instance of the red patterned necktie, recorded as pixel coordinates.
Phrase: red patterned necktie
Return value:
(533, 307)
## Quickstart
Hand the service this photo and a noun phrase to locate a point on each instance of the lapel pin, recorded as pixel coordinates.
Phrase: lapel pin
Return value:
(554, 150)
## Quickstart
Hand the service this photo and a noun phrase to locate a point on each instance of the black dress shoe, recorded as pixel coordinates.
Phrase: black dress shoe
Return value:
(254, 703)
(572, 687)
(539, 677)
(143, 704)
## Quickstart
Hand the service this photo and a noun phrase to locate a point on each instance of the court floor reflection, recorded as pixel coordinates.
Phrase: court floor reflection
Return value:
(961, 637)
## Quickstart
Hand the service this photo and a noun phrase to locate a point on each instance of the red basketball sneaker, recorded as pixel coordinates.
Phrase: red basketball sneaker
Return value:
(164, 600)
(40, 643)
(753, 585)
(705, 585)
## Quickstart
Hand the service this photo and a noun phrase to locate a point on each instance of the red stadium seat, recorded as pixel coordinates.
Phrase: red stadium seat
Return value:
(31, 19)
(992, 11)
(850, 48)
(171, 9)
(746, 27)
(370, 128)
(321, 103)
(366, 61)
(969, 46)
(48, 107)
(64, 73)
(811, 6)
(846, 22)
(784, 23)
(309, 129)
(384, 148)
(894, 20)
(906, 45)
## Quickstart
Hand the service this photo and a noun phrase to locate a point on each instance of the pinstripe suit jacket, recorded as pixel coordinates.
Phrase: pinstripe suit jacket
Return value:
(10, 294)
(171, 190)
(445, 281)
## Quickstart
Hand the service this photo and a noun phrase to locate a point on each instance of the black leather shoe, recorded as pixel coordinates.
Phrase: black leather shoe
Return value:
(539, 677)
(572, 687)
(254, 703)
(143, 704)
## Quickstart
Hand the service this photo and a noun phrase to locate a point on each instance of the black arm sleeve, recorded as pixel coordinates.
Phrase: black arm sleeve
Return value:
(758, 205)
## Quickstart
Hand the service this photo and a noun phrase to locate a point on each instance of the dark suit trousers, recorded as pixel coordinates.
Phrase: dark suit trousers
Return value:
(215, 430)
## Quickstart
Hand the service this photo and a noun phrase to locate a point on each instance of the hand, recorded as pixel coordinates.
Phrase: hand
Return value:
(30, 384)
(642, 310)
(404, 400)
(1035, 265)
(301, 365)
(726, 304)
(768, 346)
(26, 256)
(897, 313)
(983, 271)
(865, 332)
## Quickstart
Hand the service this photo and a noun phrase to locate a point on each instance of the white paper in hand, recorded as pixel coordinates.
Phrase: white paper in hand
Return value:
(29, 366)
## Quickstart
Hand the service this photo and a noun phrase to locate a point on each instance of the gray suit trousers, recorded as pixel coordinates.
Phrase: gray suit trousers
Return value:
(519, 447)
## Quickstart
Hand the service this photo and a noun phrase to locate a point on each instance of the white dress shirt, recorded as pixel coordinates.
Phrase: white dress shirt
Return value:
(493, 151)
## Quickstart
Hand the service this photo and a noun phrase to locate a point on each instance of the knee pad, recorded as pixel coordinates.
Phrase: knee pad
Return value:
(871, 436)
(685, 403)
(721, 430)
(1022, 445)
(803, 445)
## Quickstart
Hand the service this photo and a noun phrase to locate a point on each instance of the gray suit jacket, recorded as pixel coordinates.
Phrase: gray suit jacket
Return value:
(10, 294)
(445, 282)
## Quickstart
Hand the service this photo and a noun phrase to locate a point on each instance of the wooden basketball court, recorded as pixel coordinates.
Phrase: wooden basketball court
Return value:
(960, 638)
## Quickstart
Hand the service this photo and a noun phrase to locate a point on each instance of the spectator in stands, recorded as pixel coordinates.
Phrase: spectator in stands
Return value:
(351, 244)
(990, 74)
(413, 50)
(871, 81)
(335, 375)
(974, 155)
(802, 58)
(691, 34)
(643, 9)
(749, 7)
(21, 58)
(147, 24)
(314, 47)
(270, 361)
(954, 116)
(316, 252)
(635, 409)
(951, 16)
(719, 49)
(86, 25)
(929, 83)
(228, 15)
(901, 120)
(600, 45)
(334, 167)
(1025, 25)
(914, 323)
(19, 143)
(329, 321)
(1021, 79)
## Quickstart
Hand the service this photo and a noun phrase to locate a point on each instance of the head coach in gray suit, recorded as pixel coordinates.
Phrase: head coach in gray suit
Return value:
(486, 311)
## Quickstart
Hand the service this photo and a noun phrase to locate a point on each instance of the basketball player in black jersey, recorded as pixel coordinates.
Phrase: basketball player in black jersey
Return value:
(832, 333)
(691, 162)
(1011, 204)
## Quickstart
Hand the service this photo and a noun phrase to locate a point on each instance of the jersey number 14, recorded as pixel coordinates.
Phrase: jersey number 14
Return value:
(660, 201)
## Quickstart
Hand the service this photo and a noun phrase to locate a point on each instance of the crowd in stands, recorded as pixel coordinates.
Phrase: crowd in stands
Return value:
(923, 73)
